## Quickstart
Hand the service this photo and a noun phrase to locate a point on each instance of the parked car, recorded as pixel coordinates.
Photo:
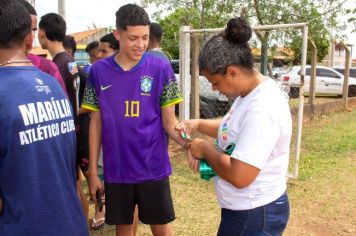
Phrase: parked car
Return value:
(212, 103)
(342, 71)
(277, 72)
(329, 82)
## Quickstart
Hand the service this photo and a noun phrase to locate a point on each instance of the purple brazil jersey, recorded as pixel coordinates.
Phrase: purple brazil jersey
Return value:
(130, 102)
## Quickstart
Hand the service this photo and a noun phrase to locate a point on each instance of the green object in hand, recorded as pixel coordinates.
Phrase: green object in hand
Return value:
(206, 172)
(184, 135)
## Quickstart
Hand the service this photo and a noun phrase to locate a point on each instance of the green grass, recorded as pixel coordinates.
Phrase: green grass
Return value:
(322, 199)
(325, 142)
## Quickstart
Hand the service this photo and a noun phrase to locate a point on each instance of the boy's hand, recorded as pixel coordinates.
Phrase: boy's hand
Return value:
(95, 185)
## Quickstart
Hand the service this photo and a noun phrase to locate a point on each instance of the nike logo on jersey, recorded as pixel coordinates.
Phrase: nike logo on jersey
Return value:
(105, 87)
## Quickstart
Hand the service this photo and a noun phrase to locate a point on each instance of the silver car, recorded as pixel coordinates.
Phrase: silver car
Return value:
(329, 82)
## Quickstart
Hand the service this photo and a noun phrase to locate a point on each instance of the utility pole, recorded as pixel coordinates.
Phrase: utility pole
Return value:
(62, 8)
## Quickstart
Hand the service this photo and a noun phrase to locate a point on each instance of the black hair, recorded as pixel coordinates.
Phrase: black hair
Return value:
(54, 26)
(69, 42)
(227, 48)
(155, 31)
(131, 15)
(91, 46)
(28, 7)
(113, 42)
(15, 23)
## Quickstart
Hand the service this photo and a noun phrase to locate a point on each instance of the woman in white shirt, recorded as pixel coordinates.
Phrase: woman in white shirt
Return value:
(251, 182)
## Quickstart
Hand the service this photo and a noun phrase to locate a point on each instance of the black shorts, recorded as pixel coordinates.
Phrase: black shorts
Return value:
(153, 198)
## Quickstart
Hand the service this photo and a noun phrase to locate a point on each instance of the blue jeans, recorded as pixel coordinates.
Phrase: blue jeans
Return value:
(270, 219)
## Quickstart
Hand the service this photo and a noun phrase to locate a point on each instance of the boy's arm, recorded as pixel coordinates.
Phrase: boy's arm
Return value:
(94, 150)
(94, 140)
(169, 123)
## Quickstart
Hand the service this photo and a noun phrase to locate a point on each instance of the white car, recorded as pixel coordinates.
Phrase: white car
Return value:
(329, 82)
(212, 103)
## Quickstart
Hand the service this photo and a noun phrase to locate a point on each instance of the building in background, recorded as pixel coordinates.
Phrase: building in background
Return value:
(336, 56)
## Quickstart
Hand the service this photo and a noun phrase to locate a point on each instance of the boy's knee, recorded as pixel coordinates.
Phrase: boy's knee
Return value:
(162, 230)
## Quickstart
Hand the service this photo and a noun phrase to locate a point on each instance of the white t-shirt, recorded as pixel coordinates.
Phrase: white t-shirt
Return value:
(260, 125)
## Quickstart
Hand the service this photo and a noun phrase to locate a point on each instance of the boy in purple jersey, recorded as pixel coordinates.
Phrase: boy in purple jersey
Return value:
(132, 95)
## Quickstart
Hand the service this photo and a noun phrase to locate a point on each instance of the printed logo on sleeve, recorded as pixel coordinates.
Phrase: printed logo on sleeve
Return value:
(224, 128)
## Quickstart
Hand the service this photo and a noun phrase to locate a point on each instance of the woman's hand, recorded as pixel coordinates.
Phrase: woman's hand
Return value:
(196, 147)
(195, 150)
(187, 127)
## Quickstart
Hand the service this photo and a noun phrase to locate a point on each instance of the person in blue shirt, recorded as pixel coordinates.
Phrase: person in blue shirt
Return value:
(37, 147)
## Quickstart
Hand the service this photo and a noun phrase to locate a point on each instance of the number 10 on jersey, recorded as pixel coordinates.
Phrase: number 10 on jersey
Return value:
(132, 109)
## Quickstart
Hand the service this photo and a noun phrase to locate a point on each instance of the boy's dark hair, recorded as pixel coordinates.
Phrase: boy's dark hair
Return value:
(15, 23)
(110, 38)
(28, 7)
(155, 32)
(91, 46)
(69, 42)
(131, 15)
(54, 26)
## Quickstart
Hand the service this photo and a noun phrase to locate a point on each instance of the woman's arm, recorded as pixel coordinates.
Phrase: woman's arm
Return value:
(207, 127)
(236, 172)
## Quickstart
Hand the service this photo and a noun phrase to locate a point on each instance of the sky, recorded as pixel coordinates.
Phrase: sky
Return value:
(82, 14)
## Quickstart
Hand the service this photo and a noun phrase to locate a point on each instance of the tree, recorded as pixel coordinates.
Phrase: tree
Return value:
(171, 25)
(321, 16)
(352, 18)
(194, 13)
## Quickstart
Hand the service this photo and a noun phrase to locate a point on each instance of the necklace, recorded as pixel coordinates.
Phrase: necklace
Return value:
(15, 62)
